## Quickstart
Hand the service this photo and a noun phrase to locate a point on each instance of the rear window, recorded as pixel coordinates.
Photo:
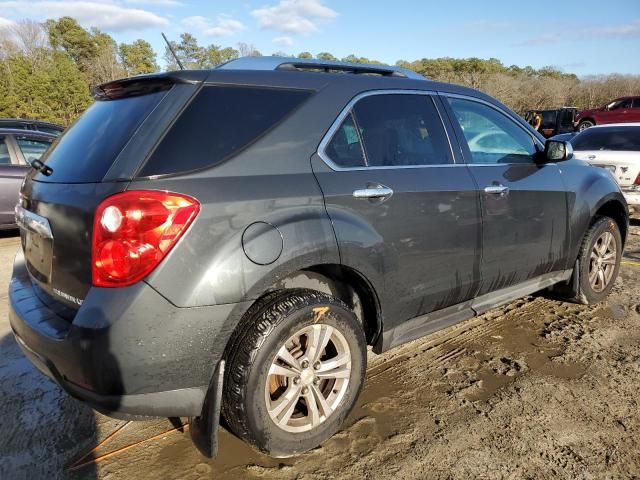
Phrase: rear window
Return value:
(608, 138)
(86, 150)
(219, 123)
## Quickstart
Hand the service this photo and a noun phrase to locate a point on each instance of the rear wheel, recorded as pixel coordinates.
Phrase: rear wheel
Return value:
(584, 124)
(294, 372)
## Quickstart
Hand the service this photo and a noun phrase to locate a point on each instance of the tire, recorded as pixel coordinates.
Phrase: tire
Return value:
(274, 412)
(602, 228)
(584, 124)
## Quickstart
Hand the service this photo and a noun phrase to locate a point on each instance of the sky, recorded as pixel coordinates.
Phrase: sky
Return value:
(578, 36)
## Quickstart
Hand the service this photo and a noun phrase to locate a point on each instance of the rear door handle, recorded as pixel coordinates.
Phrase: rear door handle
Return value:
(377, 192)
(496, 190)
(591, 157)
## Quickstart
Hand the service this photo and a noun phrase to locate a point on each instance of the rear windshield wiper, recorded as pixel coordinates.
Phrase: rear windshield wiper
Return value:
(41, 167)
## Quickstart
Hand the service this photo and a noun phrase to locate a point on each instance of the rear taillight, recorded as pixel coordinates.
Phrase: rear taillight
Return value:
(134, 230)
(637, 182)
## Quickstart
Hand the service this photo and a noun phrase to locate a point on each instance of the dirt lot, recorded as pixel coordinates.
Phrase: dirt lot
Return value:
(536, 389)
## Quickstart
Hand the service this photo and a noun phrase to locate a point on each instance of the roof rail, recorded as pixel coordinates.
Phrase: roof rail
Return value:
(301, 64)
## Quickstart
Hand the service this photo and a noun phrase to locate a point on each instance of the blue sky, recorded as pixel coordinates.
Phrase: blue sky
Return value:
(581, 36)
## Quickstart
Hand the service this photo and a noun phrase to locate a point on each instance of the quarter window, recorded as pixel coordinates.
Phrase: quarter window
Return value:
(492, 137)
(345, 149)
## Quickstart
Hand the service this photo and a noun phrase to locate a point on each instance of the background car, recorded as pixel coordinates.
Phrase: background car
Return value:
(615, 147)
(18, 148)
(37, 125)
(552, 122)
(620, 110)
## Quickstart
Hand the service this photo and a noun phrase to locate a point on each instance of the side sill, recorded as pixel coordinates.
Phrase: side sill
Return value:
(420, 326)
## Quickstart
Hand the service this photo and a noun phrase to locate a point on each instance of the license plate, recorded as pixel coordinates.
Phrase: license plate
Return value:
(37, 243)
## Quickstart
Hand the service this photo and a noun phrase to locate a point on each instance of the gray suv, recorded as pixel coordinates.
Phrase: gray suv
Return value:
(227, 243)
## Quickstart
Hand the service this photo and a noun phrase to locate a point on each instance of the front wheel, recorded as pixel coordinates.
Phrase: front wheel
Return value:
(294, 372)
(599, 260)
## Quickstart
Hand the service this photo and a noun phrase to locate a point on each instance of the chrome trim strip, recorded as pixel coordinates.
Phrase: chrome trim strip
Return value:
(347, 110)
(33, 222)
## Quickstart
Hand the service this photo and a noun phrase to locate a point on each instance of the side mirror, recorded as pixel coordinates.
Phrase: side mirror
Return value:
(557, 151)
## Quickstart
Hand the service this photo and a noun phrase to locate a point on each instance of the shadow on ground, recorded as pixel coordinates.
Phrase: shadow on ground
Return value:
(44, 431)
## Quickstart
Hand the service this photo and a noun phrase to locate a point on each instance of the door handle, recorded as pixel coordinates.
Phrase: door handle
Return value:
(591, 157)
(377, 192)
(496, 190)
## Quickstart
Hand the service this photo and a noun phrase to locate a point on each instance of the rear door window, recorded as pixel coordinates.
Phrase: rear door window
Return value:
(5, 158)
(401, 130)
(32, 149)
(218, 124)
(86, 150)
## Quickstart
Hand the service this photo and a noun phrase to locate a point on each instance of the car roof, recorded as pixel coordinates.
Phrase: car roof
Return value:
(27, 133)
(617, 125)
(24, 121)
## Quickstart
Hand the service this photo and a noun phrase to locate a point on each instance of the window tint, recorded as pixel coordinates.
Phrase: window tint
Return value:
(491, 136)
(345, 149)
(5, 159)
(32, 149)
(636, 103)
(401, 130)
(608, 138)
(87, 149)
(217, 124)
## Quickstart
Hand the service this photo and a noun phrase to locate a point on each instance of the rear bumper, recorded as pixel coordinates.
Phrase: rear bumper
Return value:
(632, 197)
(128, 351)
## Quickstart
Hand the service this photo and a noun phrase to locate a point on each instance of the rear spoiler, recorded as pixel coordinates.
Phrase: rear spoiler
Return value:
(145, 84)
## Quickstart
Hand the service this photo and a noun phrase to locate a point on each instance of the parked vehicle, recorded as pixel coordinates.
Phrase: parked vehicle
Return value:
(615, 147)
(18, 148)
(234, 239)
(620, 110)
(552, 122)
(37, 125)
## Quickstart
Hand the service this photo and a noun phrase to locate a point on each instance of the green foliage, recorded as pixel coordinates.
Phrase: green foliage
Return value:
(193, 56)
(56, 91)
(138, 58)
(326, 56)
(305, 55)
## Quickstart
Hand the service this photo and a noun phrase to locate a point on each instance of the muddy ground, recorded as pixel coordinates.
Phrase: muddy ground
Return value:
(535, 389)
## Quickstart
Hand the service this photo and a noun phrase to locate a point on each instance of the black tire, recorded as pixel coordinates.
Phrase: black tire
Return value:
(586, 293)
(584, 124)
(263, 331)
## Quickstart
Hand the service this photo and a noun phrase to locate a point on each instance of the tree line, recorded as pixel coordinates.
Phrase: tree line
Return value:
(47, 70)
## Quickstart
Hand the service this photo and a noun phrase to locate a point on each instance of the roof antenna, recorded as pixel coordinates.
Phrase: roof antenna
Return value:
(172, 51)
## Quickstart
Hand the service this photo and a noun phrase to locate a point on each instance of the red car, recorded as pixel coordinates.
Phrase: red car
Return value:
(620, 110)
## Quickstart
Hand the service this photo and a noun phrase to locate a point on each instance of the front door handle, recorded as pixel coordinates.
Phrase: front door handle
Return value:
(496, 190)
(591, 157)
(373, 193)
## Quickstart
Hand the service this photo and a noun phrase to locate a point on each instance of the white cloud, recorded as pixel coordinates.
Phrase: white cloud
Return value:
(283, 41)
(104, 15)
(623, 31)
(161, 3)
(223, 26)
(5, 22)
(294, 16)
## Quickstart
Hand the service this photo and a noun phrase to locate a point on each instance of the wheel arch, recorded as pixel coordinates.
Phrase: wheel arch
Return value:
(615, 209)
(344, 283)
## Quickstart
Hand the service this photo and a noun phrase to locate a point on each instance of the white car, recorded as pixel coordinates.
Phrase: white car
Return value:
(615, 147)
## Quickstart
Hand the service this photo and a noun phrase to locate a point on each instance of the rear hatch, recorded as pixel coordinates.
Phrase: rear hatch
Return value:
(95, 158)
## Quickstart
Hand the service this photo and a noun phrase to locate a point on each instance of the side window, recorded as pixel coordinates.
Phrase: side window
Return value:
(624, 104)
(491, 136)
(345, 149)
(636, 103)
(401, 130)
(5, 158)
(32, 149)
